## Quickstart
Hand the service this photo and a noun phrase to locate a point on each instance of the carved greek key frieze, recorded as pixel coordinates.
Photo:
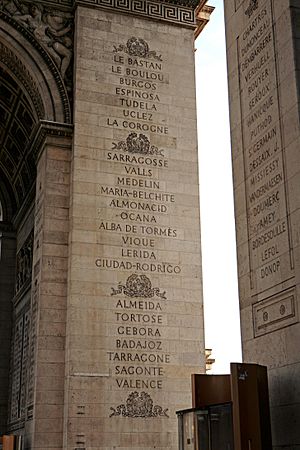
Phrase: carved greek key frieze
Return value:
(181, 12)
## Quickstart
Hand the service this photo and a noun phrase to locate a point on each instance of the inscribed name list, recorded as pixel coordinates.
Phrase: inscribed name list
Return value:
(268, 229)
(135, 207)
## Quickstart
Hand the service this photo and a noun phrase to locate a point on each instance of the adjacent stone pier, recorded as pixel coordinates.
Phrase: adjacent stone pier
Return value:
(263, 56)
(46, 354)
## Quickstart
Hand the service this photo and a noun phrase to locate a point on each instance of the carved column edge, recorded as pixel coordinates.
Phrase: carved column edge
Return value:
(47, 129)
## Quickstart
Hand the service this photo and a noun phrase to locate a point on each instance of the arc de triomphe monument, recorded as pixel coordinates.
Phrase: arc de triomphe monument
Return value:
(101, 320)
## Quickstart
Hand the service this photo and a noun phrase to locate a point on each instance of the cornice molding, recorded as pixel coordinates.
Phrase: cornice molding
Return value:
(203, 13)
(47, 128)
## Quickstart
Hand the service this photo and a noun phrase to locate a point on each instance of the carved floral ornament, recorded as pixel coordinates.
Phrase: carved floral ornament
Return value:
(137, 144)
(139, 405)
(138, 286)
(137, 47)
(51, 28)
(253, 5)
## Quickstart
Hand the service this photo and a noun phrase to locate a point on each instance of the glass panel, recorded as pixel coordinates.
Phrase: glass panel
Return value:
(180, 431)
(188, 431)
(221, 427)
(202, 430)
(206, 429)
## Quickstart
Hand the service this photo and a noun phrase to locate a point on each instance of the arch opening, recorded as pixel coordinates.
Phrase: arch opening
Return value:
(18, 122)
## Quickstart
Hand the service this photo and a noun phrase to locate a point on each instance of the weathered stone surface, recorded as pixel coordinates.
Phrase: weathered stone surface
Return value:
(103, 221)
(134, 311)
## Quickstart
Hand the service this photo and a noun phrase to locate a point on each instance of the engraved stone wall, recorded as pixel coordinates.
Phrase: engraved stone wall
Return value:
(135, 324)
(20, 346)
(7, 277)
(24, 264)
(265, 132)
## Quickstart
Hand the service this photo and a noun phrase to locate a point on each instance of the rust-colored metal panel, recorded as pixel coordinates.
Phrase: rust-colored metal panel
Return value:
(251, 413)
(210, 390)
(8, 442)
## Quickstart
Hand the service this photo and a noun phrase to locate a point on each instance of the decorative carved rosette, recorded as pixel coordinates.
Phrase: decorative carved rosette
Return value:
(251, 8)
(138, 286)
(137, 144)
(139, 405)
(137, 47)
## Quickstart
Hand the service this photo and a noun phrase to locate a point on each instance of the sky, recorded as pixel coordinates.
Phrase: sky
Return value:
(221, 310)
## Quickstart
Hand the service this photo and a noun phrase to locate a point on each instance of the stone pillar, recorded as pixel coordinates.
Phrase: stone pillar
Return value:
(7, 283)
(135, 319)
(263, 56)
(45, 393)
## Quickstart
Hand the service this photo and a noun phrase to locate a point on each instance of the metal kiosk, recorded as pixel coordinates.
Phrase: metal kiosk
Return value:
(230, 412)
